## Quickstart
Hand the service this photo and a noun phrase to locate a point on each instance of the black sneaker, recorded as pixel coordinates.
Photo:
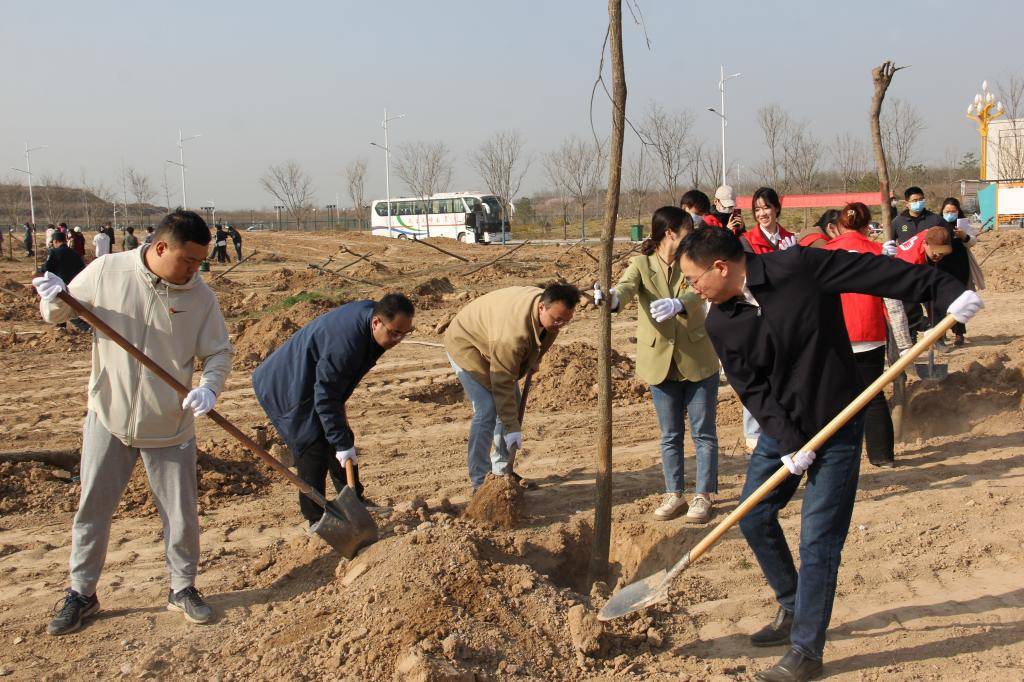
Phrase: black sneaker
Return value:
(76, 608)
(191, 604)
(776, 632)
(524, 483)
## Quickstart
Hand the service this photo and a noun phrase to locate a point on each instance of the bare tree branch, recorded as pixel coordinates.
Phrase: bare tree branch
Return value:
(1010, 139)
(669, 136)
(291, 186)
(501, 165)
(581, 168)
(355, 178)
(901, 125)
(850, 158)
(142, 191)
(776, 127)
(639, 178)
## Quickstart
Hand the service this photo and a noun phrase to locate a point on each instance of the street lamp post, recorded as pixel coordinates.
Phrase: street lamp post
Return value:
(180, 163)
(984, 109)
(721, 112)
(28, 171)
(279, 209)
(387, 163)
(331, 212)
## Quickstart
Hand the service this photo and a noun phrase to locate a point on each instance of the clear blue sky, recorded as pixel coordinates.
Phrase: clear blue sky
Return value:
(269, 81)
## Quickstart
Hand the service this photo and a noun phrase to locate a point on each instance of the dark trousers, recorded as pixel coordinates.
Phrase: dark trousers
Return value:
(238, 250)
(878, 433)
(824, 522)
(313, 465)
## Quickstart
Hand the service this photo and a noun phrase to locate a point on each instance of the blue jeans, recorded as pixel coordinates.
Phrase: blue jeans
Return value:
(487, 452)
(698, 399)
(824, 521)
(751, 429)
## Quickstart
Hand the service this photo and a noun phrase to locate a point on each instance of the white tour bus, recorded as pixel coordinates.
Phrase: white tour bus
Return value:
(466, 216)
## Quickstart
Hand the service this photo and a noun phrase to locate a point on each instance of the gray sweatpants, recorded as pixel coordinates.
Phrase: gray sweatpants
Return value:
(105, 469)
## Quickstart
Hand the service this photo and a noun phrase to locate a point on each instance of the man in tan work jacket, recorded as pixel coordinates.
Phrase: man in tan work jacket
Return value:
(491, 344)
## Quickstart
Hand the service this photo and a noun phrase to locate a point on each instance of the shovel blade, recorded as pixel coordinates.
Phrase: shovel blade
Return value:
(346, 524)
(637, 596)
(926, 371)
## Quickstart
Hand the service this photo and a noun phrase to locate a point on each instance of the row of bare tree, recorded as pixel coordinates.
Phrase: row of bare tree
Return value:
(92, 202)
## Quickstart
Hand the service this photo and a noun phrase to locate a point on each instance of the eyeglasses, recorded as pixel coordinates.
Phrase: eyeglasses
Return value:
(693, 283)
(395, 334)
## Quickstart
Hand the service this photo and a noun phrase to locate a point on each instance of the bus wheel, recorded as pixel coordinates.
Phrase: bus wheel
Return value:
(403, 236)
(462, 237)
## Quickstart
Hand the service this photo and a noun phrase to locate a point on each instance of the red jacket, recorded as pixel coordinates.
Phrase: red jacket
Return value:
(812, 238)
(912, 250)
(864, 314)
(759, 243)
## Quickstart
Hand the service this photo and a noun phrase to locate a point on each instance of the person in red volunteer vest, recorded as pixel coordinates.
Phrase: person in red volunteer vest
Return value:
(823, 230)
(767, 235)
(927, 247)
(865, 318)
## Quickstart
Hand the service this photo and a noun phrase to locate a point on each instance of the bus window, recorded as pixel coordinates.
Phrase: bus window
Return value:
(382, 208)
(458, 206)
(472, 202)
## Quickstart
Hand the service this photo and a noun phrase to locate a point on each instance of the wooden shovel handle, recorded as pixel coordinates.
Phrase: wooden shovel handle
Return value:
(815, 443)
(350, 474)
(183, 390)
(524, 395)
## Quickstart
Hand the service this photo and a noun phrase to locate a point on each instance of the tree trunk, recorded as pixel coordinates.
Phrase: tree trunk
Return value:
(882, 77)
(603, 504)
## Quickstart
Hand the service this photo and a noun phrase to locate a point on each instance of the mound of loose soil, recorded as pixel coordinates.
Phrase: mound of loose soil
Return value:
(446, 392)
(1001, 255)
(368, 268)
(267, 257)
(435, 286)
(568, 377)
(225, 473)
(18, 302)
(988, 393)
(49, 339)
(498, 502)
(255, 339)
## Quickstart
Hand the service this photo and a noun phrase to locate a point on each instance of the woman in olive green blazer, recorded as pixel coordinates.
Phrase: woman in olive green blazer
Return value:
(676, 358)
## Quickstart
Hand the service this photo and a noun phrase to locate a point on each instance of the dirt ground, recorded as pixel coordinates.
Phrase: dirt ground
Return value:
(931, 585)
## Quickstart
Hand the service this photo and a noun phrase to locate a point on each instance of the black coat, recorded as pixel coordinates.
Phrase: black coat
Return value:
(63, 262)
(906, 226)
(790, 361)
(304, 384)
(956, 263)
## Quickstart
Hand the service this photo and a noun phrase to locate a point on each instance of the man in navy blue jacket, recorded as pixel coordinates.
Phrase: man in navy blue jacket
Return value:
(304, 384)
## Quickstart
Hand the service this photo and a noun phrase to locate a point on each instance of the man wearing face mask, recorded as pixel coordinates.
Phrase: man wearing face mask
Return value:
(915, 219)
(303, 386)
(492, 343)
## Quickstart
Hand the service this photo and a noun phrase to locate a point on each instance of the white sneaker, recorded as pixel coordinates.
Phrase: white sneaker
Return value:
(672, 506)
(700, 509)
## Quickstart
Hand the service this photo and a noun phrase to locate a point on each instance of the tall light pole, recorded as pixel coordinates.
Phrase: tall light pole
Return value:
(984, 109)
(721, 111)
(28, 171)
(180, 163)
(387, 162)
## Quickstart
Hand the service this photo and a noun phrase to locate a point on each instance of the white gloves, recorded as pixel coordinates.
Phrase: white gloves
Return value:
(514, 440)
(49, 285)
(666, 308)
(612, 296)
(889, 248)
(788, 242)
(964, 307)
(346, 455)
(797, 462)
(199, 400)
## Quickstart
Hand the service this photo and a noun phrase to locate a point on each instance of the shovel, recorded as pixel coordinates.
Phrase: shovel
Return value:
(654, 589)
(346, 524)
(930, 370)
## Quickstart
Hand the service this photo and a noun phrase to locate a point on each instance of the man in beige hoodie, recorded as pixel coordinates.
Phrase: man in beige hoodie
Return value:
(153, 297)
(491, 344)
